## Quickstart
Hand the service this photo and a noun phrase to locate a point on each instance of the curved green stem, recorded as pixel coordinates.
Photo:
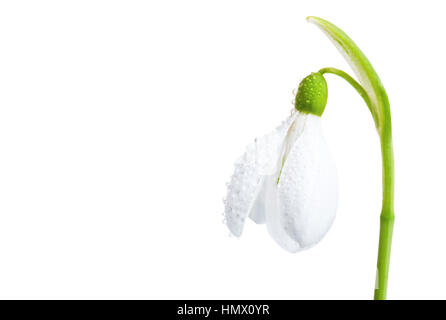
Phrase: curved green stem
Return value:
(355, 84)
(387, 214)
(374, 94)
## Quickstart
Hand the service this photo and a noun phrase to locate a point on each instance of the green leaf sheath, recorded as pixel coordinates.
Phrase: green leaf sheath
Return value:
(372, 91)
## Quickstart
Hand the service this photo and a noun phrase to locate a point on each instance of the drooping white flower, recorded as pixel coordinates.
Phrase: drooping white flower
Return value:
(287, 179)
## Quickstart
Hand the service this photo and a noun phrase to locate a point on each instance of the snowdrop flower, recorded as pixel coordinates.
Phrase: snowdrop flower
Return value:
(287, 178)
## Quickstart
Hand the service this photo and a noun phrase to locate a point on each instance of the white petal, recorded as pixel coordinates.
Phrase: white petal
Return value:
(307, 189)
(270, 189)
(273, 223)
(260, 159)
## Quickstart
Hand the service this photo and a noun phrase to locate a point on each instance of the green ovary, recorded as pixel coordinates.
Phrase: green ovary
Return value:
(312, 94)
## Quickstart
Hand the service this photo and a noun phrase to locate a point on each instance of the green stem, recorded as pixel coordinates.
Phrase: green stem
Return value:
(387, 214)
(354, 84)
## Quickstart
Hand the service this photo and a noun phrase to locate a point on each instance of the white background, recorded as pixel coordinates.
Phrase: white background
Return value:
(120, 122)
